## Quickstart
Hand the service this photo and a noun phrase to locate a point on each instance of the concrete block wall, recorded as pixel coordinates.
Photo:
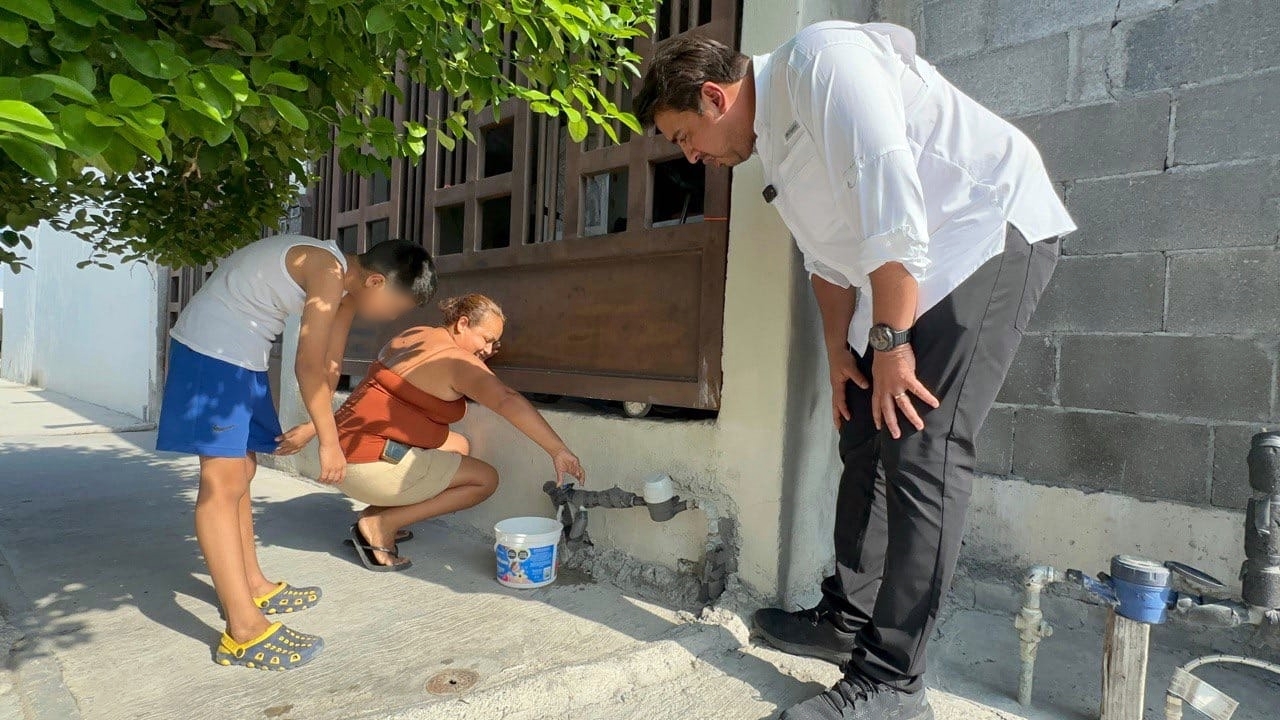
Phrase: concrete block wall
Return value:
(1153, 357)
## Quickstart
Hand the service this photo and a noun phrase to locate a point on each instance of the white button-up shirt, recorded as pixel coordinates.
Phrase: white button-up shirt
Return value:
(872, 157)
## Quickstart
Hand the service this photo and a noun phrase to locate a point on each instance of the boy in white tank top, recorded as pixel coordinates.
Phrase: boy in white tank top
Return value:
(217, 405)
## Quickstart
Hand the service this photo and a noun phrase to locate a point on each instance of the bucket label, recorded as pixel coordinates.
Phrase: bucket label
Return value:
(520, 566)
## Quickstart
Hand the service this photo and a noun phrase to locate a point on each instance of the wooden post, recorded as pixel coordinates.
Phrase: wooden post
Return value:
(1124, 668)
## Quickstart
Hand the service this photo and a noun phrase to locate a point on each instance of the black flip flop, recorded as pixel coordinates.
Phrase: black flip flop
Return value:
(370, 561)
(401, 536)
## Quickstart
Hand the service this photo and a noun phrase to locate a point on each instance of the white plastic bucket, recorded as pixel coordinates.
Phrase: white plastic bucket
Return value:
(526, 551)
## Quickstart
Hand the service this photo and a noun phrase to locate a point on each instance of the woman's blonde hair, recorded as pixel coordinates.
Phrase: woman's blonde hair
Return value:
(473, 306)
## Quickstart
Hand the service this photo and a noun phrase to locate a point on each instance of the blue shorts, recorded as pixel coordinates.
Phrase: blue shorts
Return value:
(215, 409)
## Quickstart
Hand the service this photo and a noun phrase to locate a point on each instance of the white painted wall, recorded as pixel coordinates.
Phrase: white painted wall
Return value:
(91, 334)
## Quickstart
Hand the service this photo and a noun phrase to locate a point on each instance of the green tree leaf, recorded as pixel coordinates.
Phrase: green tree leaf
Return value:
(213, 94)
(36, 134)
(13, 32)
(128, 92)
(124, 8)
(285, 79)
(80, 12)
(23, 113)
(290, 48)
(578, 129)
(78, 68)
(241, 37)
(141, 56)
(68, 88)
(30, 157)
(38, 10)
(232, 79)
(289, 112)
(35, 90)
(83, 137)
(379, 20)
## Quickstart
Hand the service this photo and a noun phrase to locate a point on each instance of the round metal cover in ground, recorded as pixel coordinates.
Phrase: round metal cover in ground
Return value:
(451, 682)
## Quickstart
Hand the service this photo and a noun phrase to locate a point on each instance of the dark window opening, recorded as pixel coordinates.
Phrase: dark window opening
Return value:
(377, 231)
(348, 239)
(452, 167)
(495, 223)
(449, 235)
(499, 149)
(379, 188)
(604, 203)
(679, 191)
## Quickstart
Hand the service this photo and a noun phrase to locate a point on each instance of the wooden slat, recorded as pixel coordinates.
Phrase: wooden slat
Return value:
(1124, 668)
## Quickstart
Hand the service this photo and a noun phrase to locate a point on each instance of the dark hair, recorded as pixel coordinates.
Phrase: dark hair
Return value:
(407, 266)
(474, 307)
(679, 69)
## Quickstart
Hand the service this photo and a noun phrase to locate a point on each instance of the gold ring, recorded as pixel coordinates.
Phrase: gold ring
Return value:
(900, 395)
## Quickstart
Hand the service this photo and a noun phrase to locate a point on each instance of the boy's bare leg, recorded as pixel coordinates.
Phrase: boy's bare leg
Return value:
(224, 486)
(259, 585)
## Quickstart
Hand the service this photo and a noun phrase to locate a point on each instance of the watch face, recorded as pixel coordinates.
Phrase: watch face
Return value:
(881, 337)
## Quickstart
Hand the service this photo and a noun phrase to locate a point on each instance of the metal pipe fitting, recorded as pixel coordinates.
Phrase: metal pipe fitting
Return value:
(1031, 625)
(1201, 695)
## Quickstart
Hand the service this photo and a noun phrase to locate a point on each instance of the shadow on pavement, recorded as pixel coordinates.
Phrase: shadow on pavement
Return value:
(95, 526)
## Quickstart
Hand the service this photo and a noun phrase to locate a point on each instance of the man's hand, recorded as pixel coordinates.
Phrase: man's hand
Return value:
(567, 463)
(843, 370)
(894, 381)
(295, 439)
(333, 464)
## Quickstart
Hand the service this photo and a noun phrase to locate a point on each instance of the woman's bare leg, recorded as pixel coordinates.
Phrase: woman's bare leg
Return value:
(472, 484)
(454, 443)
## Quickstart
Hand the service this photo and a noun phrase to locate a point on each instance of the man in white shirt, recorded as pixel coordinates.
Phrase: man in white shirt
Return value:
(929, 228)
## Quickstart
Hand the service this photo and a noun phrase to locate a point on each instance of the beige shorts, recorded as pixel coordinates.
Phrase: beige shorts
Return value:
(421, 475)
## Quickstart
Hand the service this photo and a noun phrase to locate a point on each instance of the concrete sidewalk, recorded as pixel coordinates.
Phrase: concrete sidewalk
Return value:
(29, 411)
(111, 616)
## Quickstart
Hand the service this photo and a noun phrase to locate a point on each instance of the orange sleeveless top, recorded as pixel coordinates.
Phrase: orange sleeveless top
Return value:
(386, 406)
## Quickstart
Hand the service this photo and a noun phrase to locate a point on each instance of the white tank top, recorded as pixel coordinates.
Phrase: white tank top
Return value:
(241, 308)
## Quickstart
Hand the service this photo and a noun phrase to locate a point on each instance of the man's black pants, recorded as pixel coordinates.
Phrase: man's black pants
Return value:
(901, 508)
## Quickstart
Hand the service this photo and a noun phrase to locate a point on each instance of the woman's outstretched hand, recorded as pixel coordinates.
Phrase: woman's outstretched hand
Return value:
(567, 463)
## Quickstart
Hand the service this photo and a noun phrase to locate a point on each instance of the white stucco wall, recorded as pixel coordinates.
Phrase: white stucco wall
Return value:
(90, 334)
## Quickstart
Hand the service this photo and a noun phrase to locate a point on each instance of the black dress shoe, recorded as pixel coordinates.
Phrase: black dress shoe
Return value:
(806, 632)
(859, 698)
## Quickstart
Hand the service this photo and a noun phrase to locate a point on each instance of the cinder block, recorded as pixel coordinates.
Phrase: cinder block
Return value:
(1196, 42)
(1204, 377)
(1022, 20)
(1138, 456)
(1090, 55)
(1016, 80)
(1104, 294)
(1033, 376)
(952, 28)
(1225, 291)
(1102, 140)
(995, 442)
(1184, 209)
(1230, 468)
(1229, 121)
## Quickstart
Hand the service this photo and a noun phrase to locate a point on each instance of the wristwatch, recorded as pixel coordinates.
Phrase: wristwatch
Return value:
(883, 338)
